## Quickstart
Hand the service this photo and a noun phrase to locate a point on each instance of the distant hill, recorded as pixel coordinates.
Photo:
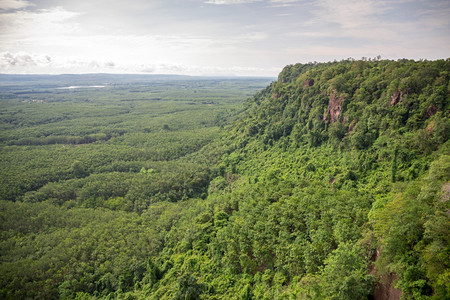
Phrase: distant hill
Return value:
(102, 78)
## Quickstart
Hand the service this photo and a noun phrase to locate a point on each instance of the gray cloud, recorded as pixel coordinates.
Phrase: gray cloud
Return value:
(18, 63)
(10, 60)
(14, 4)
(213, 36)
(33, 63)
(230, 2)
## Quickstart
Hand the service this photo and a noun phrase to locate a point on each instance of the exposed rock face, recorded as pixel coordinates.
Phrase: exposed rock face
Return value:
(396, 97)
(432, 110)
(308, 82)
(334, 107)
(384, 289)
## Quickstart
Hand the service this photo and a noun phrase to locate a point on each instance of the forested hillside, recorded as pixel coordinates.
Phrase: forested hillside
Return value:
(331, 183)
(339, 165)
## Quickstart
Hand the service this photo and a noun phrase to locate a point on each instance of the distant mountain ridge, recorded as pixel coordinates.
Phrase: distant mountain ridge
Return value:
(116, 78)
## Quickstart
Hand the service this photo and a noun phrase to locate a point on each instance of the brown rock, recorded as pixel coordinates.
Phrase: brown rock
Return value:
(334, 107)
(396, 97)
(384, 289)
(308, 82)
(431, 111)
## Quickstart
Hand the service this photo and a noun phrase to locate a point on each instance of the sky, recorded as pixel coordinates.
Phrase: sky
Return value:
(214, 37)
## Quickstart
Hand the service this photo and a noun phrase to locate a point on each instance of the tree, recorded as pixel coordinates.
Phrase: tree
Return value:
(188, 288)
(345, 274)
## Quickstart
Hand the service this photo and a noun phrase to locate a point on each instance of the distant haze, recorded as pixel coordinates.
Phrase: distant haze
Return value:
(213, 37)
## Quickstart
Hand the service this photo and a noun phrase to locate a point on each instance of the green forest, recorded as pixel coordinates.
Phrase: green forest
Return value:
(331, 181)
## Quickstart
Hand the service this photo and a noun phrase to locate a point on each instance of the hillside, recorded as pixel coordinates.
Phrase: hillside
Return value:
(340, 164)
(332, 183)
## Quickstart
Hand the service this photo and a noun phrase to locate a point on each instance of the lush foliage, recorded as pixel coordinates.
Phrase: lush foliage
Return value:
(80, 167)
(333, 178)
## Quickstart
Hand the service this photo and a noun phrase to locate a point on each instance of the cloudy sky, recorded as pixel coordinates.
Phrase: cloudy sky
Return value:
(214, 37)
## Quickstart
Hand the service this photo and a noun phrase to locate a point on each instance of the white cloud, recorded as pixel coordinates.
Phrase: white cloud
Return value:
(207, 70)
(194, 38)
(44, 22)
(436, 16)
(230, 2)
(16, 63)
(65, 39)
(393, 24)
(25, 63)
(283, 3)
(251, 37)
(14, 4)
(10, 61)
(350, 14)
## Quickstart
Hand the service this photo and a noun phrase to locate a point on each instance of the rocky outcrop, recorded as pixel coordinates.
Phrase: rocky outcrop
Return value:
(431, 111)
(308, 82)
(396, 97)
(384, 288)
(334, 107)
